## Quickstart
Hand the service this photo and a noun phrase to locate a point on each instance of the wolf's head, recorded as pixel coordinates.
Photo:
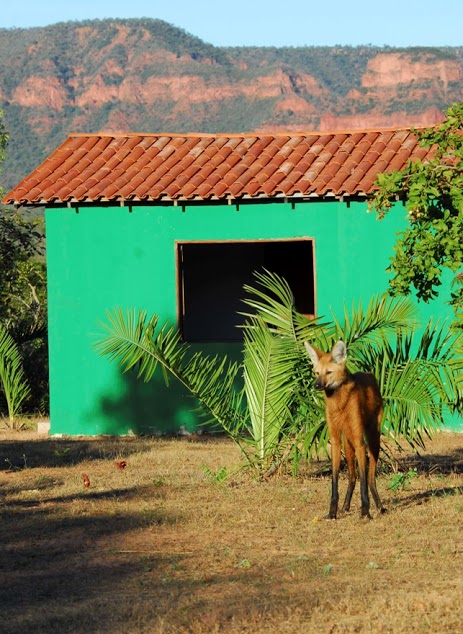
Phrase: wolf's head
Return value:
(329, 367)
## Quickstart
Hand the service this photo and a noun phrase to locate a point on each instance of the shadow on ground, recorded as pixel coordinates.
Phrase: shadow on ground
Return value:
(422, 498)
(52, 567)
(429, 463)
(32, 453)
(56, 452)
(64, 573)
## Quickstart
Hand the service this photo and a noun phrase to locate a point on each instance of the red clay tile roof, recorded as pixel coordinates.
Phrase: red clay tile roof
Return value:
(92, 168)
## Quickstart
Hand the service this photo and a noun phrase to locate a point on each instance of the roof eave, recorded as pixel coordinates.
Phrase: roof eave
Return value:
(120, 201)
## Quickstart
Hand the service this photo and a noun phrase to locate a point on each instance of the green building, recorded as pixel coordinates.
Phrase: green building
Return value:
(176, 224)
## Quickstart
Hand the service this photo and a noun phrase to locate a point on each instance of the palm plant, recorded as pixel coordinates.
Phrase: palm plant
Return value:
(13, 382)
(420, 378)
(410, 414)
(277, 417)
(276, 388)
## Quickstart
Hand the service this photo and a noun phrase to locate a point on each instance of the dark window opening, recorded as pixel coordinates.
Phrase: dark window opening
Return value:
(211, 276)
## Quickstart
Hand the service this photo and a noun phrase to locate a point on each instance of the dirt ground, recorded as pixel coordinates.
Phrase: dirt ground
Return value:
(160, 545)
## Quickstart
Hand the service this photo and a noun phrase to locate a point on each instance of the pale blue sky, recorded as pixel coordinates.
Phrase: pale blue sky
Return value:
(268, 22)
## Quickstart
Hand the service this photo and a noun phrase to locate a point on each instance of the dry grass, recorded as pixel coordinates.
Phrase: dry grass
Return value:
(160, 547)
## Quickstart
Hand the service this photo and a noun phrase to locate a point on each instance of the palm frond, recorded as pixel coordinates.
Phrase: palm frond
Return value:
(413, 407)
(269, 366)
(276, 329)
(382, 317)
(13, 382)
(273, 300)
(138, 343)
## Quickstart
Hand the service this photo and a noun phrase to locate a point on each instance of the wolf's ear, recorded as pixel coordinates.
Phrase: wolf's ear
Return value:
(314, 354)
(339, 352)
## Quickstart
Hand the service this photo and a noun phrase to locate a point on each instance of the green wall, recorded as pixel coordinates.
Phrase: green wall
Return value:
(101, 258)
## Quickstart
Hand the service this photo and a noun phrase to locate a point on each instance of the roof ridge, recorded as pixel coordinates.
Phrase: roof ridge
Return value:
(278, 133)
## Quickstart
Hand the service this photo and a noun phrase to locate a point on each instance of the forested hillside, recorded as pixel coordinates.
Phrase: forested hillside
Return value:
(146, 75)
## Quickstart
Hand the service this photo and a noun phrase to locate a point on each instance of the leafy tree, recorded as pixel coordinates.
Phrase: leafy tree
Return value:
(433, 193)
(23, 298)
(22, 283)
(277, 417)
(23, 308)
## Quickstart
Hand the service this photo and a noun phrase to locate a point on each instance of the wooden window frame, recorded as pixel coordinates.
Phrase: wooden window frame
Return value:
(180, 275)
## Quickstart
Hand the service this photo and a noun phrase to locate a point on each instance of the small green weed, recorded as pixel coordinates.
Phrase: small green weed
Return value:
(218, 476)
(159, 482)
(400, 481)
(61, 454)
(244, 563)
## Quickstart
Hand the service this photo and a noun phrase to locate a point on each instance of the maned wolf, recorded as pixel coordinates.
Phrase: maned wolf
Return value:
(354, 409)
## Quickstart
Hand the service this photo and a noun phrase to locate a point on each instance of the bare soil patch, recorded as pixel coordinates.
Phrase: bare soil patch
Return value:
(159, 546)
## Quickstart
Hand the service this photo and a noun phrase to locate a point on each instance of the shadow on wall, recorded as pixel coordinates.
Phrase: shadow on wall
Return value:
(149, 408)
(155, 408)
